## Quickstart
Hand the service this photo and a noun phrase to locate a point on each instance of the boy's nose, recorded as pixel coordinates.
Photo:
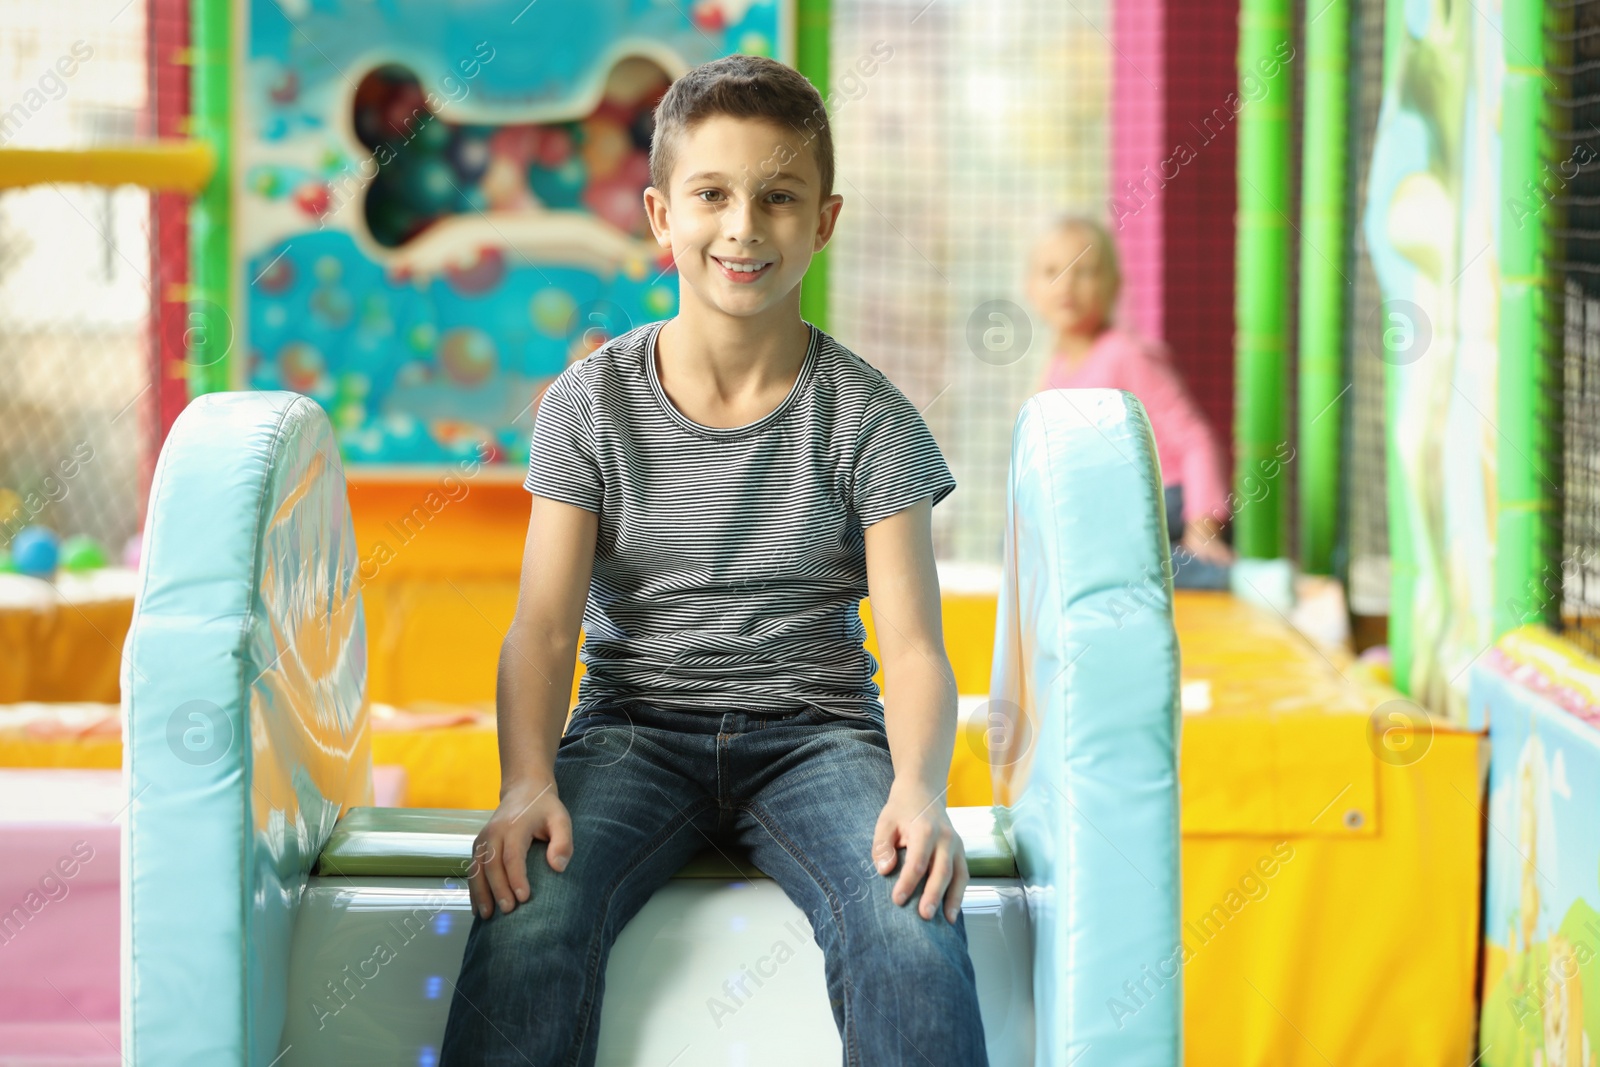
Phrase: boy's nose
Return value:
(740, 221)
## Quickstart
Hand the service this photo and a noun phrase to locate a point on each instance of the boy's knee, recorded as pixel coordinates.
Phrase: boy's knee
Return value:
(901, 933)
(557, 912)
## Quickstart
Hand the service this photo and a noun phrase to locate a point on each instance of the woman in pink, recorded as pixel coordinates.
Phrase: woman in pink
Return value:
(1072, 282)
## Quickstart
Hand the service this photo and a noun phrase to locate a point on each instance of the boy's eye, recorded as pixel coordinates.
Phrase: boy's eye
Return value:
(786, 198)
(713, 192)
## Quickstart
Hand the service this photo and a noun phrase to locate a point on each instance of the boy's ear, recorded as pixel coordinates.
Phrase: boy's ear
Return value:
(827, 220)
(655, 209)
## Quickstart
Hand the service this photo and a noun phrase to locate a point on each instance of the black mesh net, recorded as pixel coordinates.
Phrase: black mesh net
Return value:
(978, 124)
(76, 263)
(1364, 525)
(1569, 370)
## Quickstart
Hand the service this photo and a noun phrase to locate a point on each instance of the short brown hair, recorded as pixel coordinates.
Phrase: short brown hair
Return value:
(743, 87)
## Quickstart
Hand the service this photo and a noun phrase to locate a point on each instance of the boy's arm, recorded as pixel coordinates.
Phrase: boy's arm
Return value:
(533, 692)
(541, 648)
(919, 709)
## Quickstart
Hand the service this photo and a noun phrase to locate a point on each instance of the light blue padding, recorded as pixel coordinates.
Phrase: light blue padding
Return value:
(1086, 661)
(242, 682)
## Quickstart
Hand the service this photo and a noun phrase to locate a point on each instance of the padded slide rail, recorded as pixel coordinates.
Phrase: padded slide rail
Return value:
(1084, 738)
(437, 842)
(243, 686)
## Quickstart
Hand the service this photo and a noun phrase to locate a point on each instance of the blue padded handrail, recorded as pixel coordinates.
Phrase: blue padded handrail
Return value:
(1085, 695)
(243, 686)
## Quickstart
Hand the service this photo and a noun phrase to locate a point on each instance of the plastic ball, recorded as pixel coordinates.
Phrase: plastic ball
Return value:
(458, 437)
(422, 337)
(429, 186)
(82, 553)
(349, 416)
(482, 274)
(659, 300)
(300, 366)
(285, 88)
(469, 155)
(555, 147)
(313, 198)
(36, 550)
(265, 181)
(615, 201)
(328, 269)
(635, 170)
(364, 444)
(467, 355)
(332, 307)
(353, 385)
(433, 134)
(709, 16)
(375, 318)
(413, 372)
(551, 311)
(520, 144)
(277, 276)
(605, 144)
(404, 113)
(559, 188)
(405, 440)
(503, 187)
(132, 550)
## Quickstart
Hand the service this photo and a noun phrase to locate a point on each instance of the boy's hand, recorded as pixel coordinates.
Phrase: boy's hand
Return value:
(915, 819)
(500, 853)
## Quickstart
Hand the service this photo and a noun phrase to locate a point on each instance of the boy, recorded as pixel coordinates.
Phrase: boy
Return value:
(715, 494)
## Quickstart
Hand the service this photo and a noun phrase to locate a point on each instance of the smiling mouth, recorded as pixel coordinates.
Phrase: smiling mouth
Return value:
(741, 271)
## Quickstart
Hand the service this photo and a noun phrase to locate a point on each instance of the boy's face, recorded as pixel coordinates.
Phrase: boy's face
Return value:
(1068, 282)
(743, 215)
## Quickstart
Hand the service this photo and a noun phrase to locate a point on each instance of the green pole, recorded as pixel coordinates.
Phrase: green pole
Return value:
(1261, 301)
(1322, 285)
(812, 26)
(1527, 574)
(211, 326)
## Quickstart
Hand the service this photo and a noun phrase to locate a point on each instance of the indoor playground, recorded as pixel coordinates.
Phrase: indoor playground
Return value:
(282, 285)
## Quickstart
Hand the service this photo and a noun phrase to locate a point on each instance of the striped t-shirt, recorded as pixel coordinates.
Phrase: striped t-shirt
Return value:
(729, 564)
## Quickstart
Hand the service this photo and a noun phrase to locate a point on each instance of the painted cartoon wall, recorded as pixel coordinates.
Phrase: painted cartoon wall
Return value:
(1541, 965)
(1430, 222)
(439, 205)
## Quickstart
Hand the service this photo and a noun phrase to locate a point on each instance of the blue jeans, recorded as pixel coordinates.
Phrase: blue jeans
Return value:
(647, 788)
(1188, 571)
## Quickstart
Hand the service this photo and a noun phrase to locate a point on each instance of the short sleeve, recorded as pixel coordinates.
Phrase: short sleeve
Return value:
(897, 460)
(562, 464)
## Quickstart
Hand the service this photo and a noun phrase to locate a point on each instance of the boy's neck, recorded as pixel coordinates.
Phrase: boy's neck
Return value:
(738, 354)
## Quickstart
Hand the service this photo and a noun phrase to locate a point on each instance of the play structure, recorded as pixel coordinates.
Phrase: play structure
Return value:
(273, 944)
(1343, 813)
